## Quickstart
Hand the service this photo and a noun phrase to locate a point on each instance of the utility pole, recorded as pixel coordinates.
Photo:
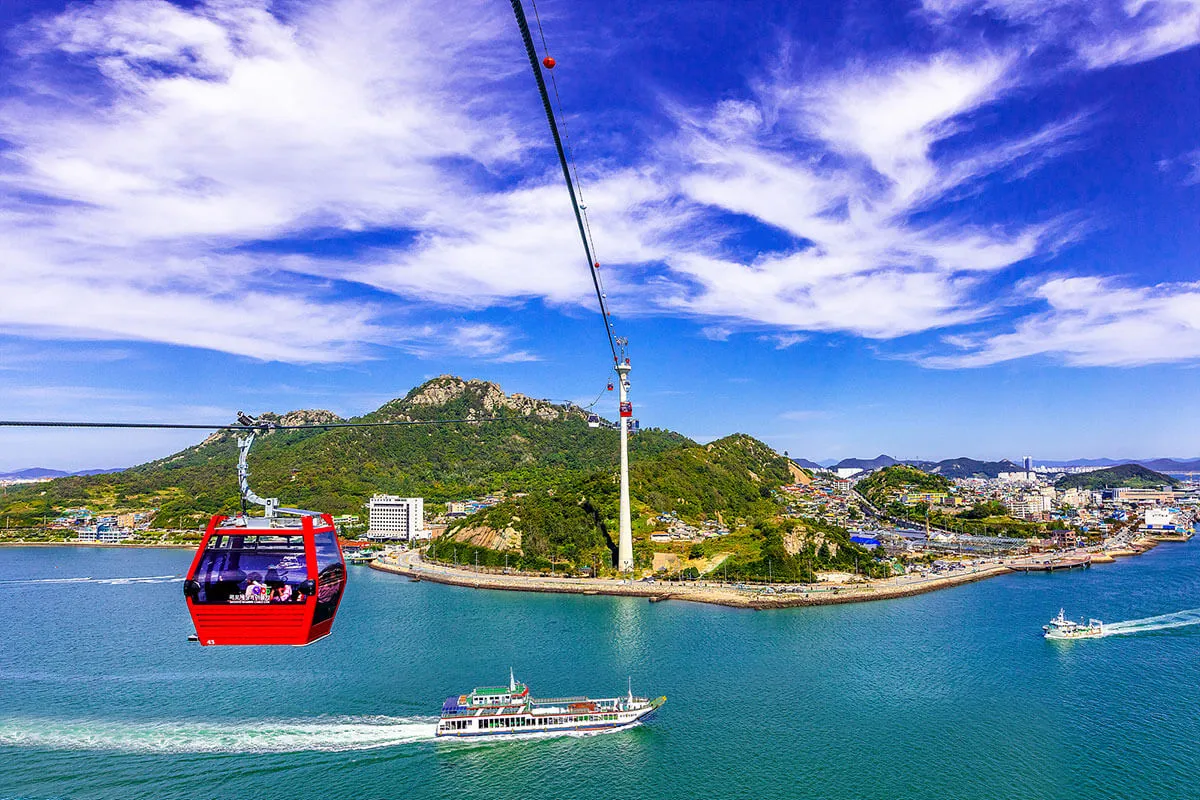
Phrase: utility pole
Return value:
(625, 538)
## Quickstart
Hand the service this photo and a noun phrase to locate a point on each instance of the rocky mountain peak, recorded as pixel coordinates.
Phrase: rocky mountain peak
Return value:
(483, 398)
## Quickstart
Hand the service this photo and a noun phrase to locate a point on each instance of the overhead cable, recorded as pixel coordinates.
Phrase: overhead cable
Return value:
(589, 252)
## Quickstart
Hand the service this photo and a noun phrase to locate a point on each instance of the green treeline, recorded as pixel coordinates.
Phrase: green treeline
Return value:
(577, 520)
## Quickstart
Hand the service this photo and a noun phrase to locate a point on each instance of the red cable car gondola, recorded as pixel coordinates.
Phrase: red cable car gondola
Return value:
(274, 579)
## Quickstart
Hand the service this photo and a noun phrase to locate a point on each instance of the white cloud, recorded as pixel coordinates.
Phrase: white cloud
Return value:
(893, 116)
(844, 164)
(783, 341)
(523, 243)
(230, 123)
(1095, 322)
(209, 127)
(486, 341)
(1193, 160)
(1100, 32)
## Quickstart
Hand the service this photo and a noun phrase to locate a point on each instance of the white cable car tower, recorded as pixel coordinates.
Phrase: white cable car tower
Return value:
(625, 538)
(618, 346)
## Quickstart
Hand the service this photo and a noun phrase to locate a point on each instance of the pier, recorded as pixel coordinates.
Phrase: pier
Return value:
(1052, 564)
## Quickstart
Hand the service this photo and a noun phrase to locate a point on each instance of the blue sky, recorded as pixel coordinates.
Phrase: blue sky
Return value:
(931, 229)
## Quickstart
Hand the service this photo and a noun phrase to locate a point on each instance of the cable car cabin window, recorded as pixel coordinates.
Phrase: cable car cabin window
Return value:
(239, 569)
(331, 576)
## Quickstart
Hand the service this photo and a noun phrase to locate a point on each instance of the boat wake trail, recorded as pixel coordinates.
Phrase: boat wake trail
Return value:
(282, 736)
(105, 581)
(1178, 619)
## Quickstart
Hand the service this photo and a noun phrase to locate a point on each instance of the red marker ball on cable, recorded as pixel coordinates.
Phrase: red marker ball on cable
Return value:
(548, 62)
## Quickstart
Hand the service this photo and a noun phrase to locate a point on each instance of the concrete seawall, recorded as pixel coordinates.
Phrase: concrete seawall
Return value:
(412, 566)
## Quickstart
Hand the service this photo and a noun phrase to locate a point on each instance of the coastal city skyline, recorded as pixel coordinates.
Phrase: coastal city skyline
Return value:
(940, 229)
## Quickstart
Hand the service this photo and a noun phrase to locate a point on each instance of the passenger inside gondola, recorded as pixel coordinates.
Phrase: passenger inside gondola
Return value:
(252, 569)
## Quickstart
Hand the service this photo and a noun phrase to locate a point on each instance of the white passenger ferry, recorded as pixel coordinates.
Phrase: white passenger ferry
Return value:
(509, 710)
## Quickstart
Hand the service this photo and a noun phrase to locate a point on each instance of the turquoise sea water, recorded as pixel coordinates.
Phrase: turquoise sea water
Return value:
(949, 695)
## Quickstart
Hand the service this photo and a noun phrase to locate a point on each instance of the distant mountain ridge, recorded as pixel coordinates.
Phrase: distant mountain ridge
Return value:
(1156, 464)
(37, 473)
(866, 463)
(964, 467)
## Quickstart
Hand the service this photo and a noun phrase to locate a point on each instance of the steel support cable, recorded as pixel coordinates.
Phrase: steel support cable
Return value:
(531, 51)
(570, 150)
(566, 131)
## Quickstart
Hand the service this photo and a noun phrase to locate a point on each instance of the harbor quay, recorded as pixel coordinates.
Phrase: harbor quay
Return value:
(754, 596)
(412, 564)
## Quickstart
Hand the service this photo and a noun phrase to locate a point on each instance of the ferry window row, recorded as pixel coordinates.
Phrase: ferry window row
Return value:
(505, 722)
(525, 722)
(456, 724)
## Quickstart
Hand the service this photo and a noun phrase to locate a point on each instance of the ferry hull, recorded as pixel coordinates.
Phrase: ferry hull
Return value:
(1062, 637)
(517, 732)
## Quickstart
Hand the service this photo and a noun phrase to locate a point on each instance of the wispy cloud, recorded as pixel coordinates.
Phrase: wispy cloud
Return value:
(784, 340)
(195, 130)
(1101, 33)
(845, 164)
(1094, 322)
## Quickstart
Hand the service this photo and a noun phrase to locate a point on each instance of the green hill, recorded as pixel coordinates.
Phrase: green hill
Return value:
(1133, 476)
(537, 445)
(885, 485)
(576, 521)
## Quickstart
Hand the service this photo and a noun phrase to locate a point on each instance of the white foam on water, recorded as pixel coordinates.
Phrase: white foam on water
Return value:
(282, 736)
(44, 580)
(150, 579)
(106, 581)
(1177, 619)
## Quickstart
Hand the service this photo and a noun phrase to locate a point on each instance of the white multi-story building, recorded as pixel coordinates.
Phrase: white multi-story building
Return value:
(1031, 505)
(396, 518)
(106, 536)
